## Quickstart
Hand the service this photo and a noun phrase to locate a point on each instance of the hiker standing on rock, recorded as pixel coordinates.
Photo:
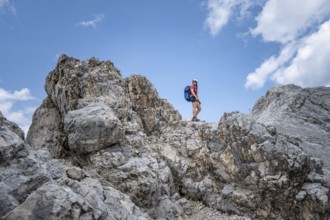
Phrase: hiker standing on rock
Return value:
(196, 104)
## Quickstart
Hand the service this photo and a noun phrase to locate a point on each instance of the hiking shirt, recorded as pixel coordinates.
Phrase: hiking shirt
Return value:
(195, 89)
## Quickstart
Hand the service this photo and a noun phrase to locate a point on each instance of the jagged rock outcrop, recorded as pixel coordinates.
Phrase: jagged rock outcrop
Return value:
(35, 186)
(105, 142)
(50, 131)
(303, 115)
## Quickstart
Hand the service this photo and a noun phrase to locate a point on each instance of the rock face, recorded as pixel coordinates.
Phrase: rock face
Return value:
(35, 186)
(103, 146)
(302, 115)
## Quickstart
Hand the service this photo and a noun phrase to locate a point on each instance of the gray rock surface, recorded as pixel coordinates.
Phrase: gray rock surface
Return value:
(34, 186)
(92, 128)
(51, 134)
(8, 125)
(103, 146)
(303, 115)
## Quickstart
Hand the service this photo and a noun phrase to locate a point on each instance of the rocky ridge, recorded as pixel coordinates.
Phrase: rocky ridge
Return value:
(106, 147)
(302, 115)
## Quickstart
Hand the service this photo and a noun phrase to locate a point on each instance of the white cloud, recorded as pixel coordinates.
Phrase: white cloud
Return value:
(5, 106)
(6, 5)
(258, 78)
(300, 28)
(304, 57)
(92, 23)
(21, 117)
(304, 62)
(285, 20)
(17, 117)
(220, 11)
(311, 65)
(3, 3)
(22, 95)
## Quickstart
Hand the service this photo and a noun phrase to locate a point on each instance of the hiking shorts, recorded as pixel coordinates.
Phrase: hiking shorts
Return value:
(192, 99)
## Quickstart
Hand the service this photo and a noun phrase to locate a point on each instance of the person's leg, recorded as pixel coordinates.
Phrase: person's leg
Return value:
(194, 109)
(199, 108)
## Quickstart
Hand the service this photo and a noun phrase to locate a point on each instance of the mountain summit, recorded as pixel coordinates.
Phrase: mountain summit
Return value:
(106, 147)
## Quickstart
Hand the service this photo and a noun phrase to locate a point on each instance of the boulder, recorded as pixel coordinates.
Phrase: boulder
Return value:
(92, 128)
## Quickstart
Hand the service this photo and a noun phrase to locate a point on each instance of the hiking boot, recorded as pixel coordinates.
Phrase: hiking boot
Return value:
(195, 119)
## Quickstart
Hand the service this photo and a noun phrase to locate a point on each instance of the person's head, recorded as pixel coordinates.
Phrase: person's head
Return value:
(195, 81)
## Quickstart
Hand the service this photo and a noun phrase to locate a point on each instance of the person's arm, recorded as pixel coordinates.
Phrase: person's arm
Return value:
(193, 93)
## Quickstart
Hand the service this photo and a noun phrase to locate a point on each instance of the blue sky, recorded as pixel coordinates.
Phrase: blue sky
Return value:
(237, 49)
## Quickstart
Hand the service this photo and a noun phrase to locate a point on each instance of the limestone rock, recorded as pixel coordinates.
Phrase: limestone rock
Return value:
(239, 166)
(11, 141)
(72, 80)
(11, 126)
(76, 200)
(92, 128)
(301, 114)
(127, 141)
(34, 186)
(152, 110)
(51, 135)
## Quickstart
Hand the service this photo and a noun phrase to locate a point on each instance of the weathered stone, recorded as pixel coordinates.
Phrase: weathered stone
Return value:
(301, 114)
(51, 135)
(33, 186)
(11, 126)
(74, 201)
(153, 111)
(124, 137)
(92, 128)
(75, 173)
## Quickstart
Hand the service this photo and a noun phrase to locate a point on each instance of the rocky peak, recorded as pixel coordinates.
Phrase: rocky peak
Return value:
(104, 146)
(303, 115)
(73, 81)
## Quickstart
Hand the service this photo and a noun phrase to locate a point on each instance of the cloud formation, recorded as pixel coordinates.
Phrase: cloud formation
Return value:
(6, 5)
(220, 11)
(285, 20)
(311, 63)
(304, 34)
(302, 30)
(21, 117)
(258, 78)
(92, 23)
(22, 95)
(3, 3)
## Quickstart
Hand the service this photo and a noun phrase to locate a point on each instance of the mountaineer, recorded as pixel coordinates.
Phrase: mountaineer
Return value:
(191, 95)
